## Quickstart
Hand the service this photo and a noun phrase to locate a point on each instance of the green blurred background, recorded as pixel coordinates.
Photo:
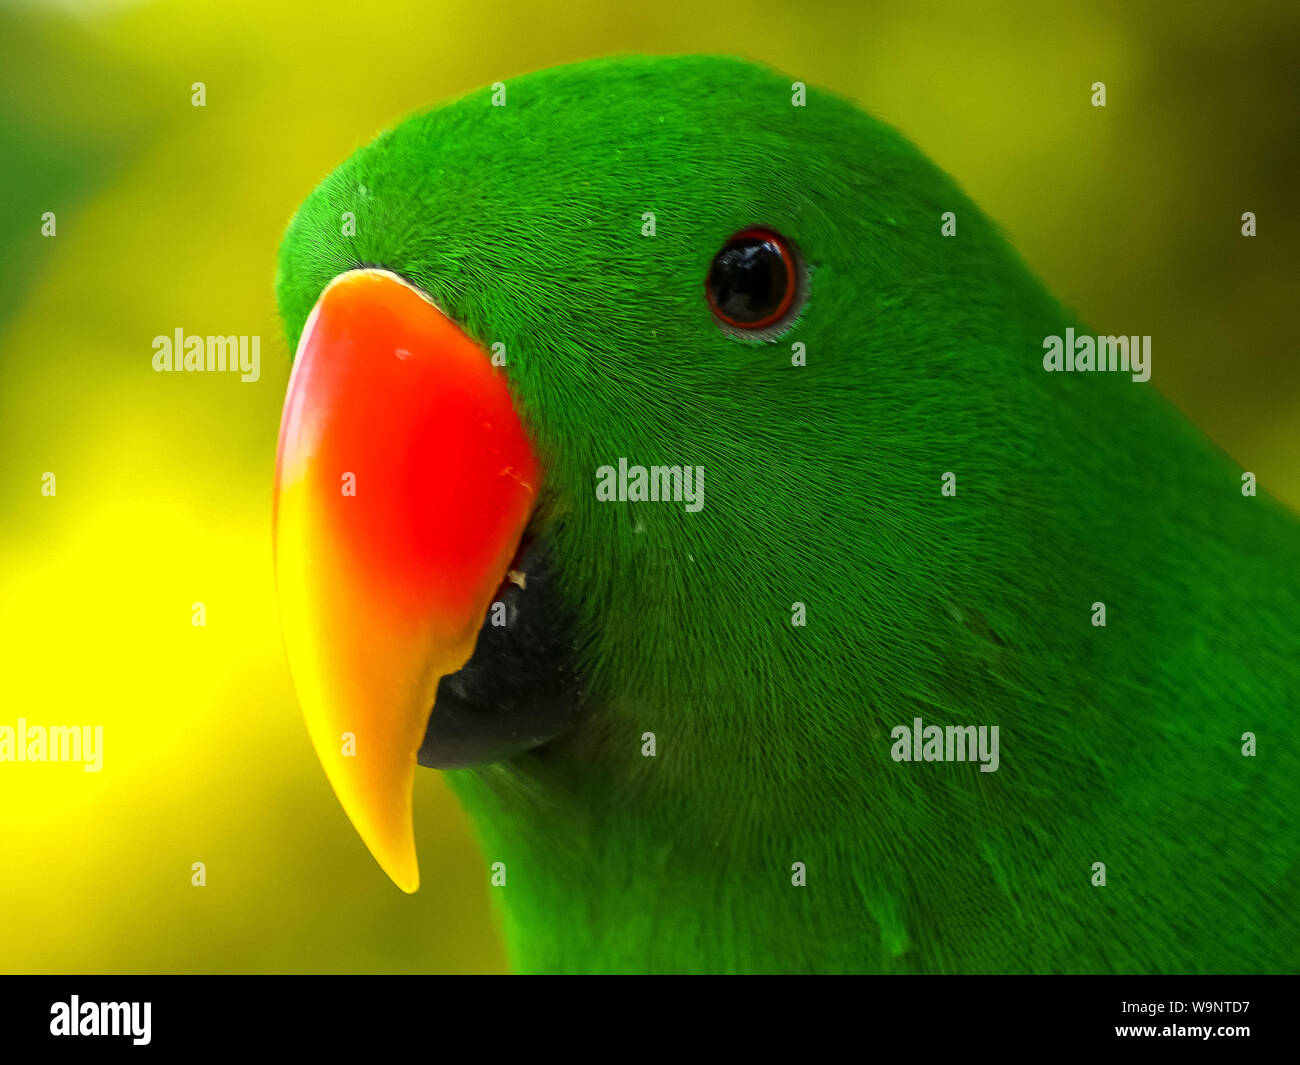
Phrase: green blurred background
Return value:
(169, 216)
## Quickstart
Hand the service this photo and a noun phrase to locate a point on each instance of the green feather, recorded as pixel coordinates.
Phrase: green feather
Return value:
(1119, 744)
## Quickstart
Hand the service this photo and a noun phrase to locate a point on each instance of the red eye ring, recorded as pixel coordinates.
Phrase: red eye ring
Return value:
(753, 280)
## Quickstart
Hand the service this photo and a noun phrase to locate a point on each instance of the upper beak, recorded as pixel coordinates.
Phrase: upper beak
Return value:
(404, 480)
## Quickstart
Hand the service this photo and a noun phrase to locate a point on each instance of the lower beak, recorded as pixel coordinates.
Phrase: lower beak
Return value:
(404, 480)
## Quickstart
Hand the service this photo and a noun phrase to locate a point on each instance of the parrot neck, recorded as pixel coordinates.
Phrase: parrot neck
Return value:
(631, 887)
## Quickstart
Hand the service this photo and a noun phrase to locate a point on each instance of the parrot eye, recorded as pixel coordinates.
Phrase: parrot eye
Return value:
(754, 283)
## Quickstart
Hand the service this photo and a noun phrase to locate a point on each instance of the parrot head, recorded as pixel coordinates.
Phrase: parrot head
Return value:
(598, 469)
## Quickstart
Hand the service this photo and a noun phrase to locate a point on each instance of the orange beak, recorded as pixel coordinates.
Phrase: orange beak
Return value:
(403, 483)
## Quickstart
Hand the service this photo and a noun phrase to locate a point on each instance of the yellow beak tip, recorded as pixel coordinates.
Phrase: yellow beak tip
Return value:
(408, 882)
(397, 859)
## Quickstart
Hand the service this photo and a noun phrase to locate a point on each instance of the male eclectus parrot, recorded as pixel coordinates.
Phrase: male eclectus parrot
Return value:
(674, 724)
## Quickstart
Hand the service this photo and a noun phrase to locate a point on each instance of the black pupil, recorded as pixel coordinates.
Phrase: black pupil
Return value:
(748, 279)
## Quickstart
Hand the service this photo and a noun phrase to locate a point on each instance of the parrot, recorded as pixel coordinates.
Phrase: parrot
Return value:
(679, 461)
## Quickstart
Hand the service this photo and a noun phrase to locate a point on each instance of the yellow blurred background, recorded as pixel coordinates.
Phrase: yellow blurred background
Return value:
(169, 216)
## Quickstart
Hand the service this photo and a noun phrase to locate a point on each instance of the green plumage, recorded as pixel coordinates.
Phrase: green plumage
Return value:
(1119, 744)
